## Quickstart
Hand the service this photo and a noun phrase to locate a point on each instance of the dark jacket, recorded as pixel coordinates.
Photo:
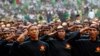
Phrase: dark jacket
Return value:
(30, 48)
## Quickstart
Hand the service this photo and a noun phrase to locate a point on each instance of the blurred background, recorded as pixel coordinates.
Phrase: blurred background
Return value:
(48, 10)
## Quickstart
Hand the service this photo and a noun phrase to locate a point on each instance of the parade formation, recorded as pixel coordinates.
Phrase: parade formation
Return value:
(33, 29)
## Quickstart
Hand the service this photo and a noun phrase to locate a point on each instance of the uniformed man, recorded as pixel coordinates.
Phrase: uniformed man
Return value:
(87, 47)
(62, 45)
(32, 47)
(6, 42)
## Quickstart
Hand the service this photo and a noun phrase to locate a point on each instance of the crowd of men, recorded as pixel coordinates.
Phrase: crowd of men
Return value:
(39, 10)
(69, 38)
(44, 29)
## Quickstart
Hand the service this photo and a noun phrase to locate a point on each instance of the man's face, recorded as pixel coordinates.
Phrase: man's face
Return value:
(86, 24)
(33, 31)
(46, 31)
(79, 27)
(93, 32)
(61, 33)
(7, 34)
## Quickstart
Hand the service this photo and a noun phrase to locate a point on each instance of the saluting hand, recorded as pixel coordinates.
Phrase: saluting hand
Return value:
(10, 37)
(21, 38)
(52, 33)
(84, 29)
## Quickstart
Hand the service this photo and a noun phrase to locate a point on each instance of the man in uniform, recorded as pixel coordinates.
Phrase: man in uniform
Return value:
(87, 47)
(59, 46)
(6, 42)
(32, 47)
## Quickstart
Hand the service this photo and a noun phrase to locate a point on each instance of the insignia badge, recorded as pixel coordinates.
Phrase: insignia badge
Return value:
(98, 49)
(42, 48)
(68, 46)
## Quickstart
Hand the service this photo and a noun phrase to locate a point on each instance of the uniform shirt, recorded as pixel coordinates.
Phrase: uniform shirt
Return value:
(5, 47)
(59, 47)
(86, 47)
(30, 48)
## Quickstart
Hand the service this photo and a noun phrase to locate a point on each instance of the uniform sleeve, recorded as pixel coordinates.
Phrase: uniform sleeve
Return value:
(3, 42)
(23, 50)
(14, 51)
(74, 36)
(3, 48)
(18, 50)
(44, 38)
(47, 53)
